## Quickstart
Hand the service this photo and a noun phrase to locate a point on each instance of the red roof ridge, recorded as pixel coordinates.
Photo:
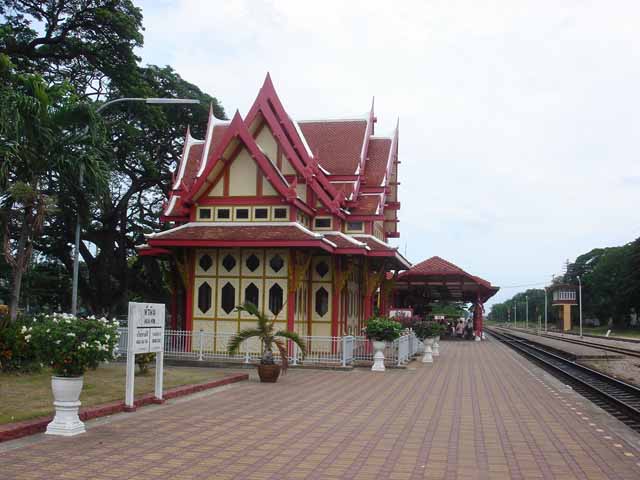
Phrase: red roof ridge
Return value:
(211, 123)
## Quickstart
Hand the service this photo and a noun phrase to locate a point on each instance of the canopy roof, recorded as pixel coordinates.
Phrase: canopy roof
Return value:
(438, 279)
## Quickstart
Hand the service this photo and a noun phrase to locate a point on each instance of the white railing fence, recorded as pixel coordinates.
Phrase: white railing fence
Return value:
(321, 350)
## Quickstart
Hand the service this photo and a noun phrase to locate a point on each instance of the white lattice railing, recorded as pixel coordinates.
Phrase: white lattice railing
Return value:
(321, 350)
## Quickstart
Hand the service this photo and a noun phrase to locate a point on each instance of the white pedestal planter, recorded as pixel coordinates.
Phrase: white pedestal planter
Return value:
(436, 346)
(378, 357)
(428, 352)
(66, 394)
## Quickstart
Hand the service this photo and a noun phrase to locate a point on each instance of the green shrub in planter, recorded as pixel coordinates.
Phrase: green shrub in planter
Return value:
(382, 329)
(428, 329)
(143, 360)
(71, 345)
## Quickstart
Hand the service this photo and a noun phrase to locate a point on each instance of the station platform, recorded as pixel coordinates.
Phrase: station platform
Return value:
(480, 411)
(570, 350)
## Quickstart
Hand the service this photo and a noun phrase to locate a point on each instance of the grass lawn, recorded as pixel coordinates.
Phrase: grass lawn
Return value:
(28, 396)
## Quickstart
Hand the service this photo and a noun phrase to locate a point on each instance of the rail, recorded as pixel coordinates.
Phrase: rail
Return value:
(618, 398)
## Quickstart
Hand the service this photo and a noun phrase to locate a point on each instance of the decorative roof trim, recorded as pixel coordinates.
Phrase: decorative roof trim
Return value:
(213, 121)
(189, 141)
(172, 204)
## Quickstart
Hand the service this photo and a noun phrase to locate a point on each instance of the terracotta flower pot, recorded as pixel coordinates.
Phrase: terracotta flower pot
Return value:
(269, 373)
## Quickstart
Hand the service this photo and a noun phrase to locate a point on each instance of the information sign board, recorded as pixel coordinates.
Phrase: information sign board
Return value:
(146, 335)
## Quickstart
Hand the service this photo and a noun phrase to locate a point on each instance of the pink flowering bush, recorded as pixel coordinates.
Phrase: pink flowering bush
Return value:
(71, 345)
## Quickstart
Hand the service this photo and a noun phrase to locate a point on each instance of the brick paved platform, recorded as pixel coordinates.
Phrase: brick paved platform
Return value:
(480, 411)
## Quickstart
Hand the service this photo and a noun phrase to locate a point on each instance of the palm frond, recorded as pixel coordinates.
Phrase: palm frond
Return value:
(234, 344)
(250, 308)
(295, 338)
(283, 354)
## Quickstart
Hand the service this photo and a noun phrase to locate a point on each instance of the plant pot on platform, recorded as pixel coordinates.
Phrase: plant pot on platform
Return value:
(428, 352)
(436, 346)
(269, 373)
(378, 356)
(66, 395)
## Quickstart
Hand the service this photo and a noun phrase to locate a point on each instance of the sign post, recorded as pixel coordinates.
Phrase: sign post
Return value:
(146, 335)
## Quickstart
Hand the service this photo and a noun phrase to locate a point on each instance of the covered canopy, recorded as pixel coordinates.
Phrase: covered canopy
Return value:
(437, 279)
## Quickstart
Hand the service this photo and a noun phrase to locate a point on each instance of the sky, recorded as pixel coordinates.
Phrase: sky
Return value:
(519, 119)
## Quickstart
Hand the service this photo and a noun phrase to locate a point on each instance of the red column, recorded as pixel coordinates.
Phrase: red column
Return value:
(368, 304)
(291, 310)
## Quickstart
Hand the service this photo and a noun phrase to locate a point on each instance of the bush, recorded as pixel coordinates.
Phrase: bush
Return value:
(428, 329)
(382, 329)
(143, 360)
(71, 345)
(17, 354)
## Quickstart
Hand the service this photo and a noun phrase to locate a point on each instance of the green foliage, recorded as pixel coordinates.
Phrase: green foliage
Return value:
(382, 329)
(428, 329)
(610, 288)
(143, 360)
(16, 353)
(265, 331)
(71, 345)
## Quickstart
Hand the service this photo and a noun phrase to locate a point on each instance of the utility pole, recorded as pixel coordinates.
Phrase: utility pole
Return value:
(580, 302)
(545, 309)
(515, 314)
(526, 312)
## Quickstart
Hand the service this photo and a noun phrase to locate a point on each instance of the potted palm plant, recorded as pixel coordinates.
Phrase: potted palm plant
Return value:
(380, 331)
(268, 369)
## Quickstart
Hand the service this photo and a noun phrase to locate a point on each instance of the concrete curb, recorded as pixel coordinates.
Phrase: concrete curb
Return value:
(11, 431)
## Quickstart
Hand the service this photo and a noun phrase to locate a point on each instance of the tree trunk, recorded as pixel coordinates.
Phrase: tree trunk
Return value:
(20, 266)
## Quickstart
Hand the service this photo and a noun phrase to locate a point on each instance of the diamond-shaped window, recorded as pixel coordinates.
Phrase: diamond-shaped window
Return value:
(228, 262)
(251, 294)
(276, 263)
(205, 262)
(322, 268)
(252, 263)
(322, 301)
(276, 295)
(228, 301)
(204, 297)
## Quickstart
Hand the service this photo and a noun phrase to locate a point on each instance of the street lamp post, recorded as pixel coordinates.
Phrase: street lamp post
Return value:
(545, 309)
(580, 302)
(76, 258)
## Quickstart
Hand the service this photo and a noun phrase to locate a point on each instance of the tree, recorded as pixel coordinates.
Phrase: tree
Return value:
(46, 136)
(144, 144)
(90, 42)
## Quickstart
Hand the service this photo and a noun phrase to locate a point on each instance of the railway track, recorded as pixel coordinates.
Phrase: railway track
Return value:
(587, 343)
(615, 397)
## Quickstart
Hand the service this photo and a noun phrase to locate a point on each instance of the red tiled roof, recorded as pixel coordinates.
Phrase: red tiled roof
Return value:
(374, 244)
(337, 144)
(341, 242)
(193, 164)
(366, 205)
(345, 188)
(376, 165)
(436, 266)
(258, 233)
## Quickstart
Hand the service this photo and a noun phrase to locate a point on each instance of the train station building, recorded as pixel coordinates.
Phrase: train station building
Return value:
(293, 216)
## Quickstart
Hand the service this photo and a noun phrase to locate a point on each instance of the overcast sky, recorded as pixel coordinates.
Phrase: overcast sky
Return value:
(519, 123)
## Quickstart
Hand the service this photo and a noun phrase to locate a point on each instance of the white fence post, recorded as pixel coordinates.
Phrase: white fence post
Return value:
(200, 340)
(344, 351)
